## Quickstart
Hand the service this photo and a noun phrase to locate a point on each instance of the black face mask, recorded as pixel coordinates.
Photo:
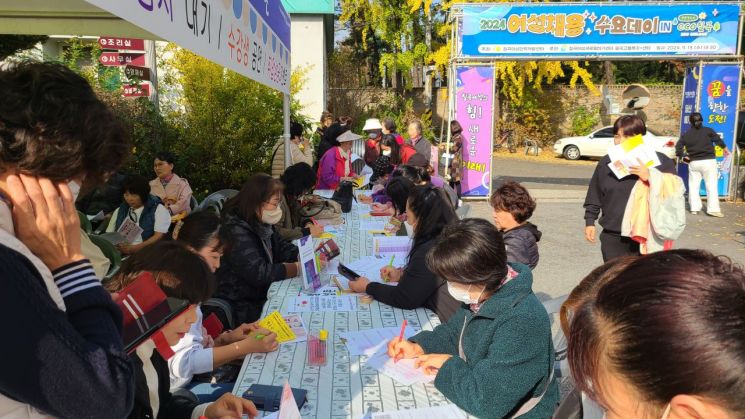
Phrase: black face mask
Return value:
(697, 123)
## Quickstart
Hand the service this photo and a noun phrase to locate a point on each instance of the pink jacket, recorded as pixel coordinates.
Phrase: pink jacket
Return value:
(331, 169)
(178, 188)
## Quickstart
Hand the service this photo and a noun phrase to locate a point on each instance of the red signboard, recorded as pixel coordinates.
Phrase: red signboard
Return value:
(121, 58)
(121, 43)
(135, 90)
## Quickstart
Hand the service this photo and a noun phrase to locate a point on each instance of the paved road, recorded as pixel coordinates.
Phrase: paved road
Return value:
(565, 256)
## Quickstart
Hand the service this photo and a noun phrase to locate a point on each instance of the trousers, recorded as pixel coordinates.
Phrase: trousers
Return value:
(706, 169)
(614, 245)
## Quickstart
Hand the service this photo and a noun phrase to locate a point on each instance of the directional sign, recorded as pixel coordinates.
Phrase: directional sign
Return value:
(142, 73)
(107, 42)
(122, 58)
(136, 90)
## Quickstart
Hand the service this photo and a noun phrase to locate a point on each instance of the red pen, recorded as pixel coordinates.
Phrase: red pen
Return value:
(313, 220)
(400, 339)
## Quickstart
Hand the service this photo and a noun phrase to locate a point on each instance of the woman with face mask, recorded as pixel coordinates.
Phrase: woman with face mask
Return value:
(374, 131)
(256, 254)
(428, 213)
(664, 337)
(494, 357)
(608, 195)
(336, 165)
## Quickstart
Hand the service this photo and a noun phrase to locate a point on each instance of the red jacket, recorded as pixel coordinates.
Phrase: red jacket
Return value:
(407, 150)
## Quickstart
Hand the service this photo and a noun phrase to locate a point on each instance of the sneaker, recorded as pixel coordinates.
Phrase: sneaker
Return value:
(694, 212)
(716, 214)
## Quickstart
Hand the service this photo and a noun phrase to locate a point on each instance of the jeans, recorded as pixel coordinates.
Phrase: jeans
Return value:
(708, 170)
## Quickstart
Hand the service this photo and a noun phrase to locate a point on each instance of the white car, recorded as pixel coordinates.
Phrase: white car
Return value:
(597, 143)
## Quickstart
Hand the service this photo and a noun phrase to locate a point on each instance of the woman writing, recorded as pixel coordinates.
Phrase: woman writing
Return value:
(298, 181)
(664, 338)
(609, 195)
(257, 255)
(428, 213)
(494, 357)
(336, 165)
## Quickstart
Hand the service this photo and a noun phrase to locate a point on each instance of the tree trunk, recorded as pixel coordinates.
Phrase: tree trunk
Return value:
(608, 76)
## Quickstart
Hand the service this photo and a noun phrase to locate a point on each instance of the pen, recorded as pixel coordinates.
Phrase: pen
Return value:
(313, 220)
(390, 265)
(259, 336)
(401, 339)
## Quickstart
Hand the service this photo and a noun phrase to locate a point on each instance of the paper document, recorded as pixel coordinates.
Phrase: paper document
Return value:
(98, 217)
(113, 238)
(376, 226)
(310, 271)
(129, 230)
(364, 176)
(321, 303)
(449, 411)
(371, 341)
(628, 154)
(398, 246)
(370, 266)
(298, 327)
(402, 371)
(277, 324)
(288, 406)
(324, 193)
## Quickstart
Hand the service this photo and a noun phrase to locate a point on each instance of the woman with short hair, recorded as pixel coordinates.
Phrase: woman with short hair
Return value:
(664, 338)
(494, 357)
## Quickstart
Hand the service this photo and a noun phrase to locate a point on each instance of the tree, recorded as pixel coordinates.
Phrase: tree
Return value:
(12, 44)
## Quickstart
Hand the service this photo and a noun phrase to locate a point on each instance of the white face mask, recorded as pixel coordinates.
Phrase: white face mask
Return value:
(373, 135)
(271, 217)
(386, 153)
(464, 296)
(74, 189)
(409, 229)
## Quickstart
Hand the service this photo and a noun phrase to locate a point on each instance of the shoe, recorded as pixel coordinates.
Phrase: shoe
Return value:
(716, 214)
(694, 212)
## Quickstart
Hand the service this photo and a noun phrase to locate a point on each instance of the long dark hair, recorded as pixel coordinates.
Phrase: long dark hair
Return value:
(670, 323)
(398, 189)
(470, 252)
(198, 228)
(415, 174)
(177, 270)
(257, 190)
(389, 140)
(433, 212)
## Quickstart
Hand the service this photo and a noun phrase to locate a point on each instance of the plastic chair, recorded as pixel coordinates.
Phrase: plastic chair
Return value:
(222, 309)
(85, 223)
(111, 253)
(217, 199)
(463, 211)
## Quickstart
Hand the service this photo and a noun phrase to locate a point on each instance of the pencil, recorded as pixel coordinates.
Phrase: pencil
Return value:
(390, 265)
(400, 339)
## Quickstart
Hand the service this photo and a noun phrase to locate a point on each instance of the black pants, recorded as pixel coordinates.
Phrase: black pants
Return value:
(614, 245)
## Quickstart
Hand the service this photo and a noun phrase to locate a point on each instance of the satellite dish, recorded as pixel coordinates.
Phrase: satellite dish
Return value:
(636, 97)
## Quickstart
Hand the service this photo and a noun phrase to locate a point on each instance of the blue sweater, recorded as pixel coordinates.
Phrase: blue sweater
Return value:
(66, 364)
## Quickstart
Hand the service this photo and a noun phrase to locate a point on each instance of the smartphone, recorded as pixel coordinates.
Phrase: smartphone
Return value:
(348, 273)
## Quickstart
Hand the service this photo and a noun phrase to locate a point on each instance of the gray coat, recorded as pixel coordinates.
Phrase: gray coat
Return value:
(521, 244)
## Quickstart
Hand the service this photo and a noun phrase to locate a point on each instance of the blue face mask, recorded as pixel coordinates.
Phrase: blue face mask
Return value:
(373, 135)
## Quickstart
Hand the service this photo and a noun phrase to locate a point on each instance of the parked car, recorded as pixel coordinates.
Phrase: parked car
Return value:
(596, 144)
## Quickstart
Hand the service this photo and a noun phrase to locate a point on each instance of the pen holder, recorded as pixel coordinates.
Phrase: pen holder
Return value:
(317, 348)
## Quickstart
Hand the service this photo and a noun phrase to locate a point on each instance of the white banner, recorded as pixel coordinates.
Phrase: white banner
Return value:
(238, 38)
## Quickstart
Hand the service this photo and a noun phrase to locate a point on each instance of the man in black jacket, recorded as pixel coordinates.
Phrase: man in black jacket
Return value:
(696, 147)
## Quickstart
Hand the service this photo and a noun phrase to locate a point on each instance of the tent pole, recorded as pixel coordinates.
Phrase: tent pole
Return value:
(286, 114)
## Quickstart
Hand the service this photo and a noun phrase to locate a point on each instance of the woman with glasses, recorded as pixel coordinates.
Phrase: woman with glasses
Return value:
(142, 209)
(428, 213)
(256, 254)
(608, 195)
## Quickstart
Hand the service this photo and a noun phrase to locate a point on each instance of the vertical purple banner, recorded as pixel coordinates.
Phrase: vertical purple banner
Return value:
(690, 94)
(474, 109)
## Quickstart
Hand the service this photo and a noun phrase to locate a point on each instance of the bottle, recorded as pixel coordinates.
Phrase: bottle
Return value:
(317, 348)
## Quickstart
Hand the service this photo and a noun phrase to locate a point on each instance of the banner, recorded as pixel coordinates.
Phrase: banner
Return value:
(720, 94)
(600, 30)
(474, 109)
(690, 97)
(250, 37)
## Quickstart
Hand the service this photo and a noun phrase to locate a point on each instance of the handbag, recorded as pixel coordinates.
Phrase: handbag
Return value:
(344, 195)
(321, 209)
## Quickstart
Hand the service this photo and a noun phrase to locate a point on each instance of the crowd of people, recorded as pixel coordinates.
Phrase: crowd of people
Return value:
(659, 334)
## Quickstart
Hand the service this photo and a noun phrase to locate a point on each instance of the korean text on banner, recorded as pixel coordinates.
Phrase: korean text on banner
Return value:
(251, 38)
(600, 30)
(474, 109)
(720, 94)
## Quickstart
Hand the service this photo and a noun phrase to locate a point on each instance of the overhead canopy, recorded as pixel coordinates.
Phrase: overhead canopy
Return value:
(251, 37)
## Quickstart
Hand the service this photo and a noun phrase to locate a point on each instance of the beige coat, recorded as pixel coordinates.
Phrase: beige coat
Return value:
(178, 188)
(298, 156)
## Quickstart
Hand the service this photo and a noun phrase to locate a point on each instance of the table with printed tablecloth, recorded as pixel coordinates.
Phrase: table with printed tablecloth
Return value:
(345, 387)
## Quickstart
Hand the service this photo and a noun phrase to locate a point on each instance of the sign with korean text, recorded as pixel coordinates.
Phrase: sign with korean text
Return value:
(600, 30)
(474, 109)
(132, 44)
(690, 97)
(121, 58)
(135, 72)
(136, 90)
(719, 91)
(250, 37)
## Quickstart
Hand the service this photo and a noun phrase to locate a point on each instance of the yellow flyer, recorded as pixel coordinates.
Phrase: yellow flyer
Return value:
(277, 324)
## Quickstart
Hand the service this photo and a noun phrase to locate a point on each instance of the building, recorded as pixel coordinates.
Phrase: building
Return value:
(312, 33)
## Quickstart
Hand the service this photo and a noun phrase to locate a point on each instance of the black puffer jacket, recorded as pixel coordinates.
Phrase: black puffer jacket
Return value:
(521, 244)
(253, 261)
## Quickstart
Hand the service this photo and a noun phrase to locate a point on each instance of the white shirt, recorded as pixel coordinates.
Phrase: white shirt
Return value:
(190, 356)
(162, 221)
